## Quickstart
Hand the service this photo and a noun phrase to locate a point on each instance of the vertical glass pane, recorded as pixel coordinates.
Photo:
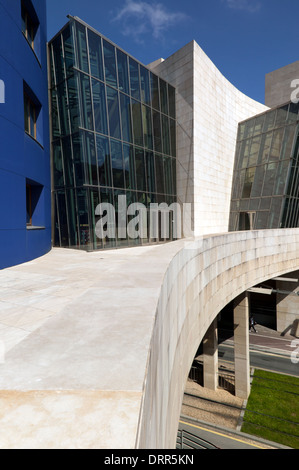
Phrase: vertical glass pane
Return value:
(129, 166)
(137, 123)
(78, 159)
(269, 179)
(110, 64)
(104, 164)
(168, 175)
(68, 162)
(258, 181)
(82, 204)
(269, 121)
(171, 97)
(72, 217)
(159, 174)
(140, 170)
(274, 216)
(281, 178)
(94, 202)
(117, 164)
(57, 165)
(134, 79)
(259, 124)
(82, 48)
(293, 112)
(58, 59)
(113, 112)
(147, 127)
(163, 96)
(150, 172)
(276, 145)
(69, 53)
(95, 55)
(99, 106)
(174, 176)
(126, 120)
(249, 177)
(173, 137)
(145, 86)
(90, 159)
(54, 114)
(86, 111)
(154, 82)
(123, 71)
(157, 131)
(165, 135)
(254, 151)
(265, 148)
(73, 91)
(288, 140)
(281, 115)
(63, 225)
(107, 196)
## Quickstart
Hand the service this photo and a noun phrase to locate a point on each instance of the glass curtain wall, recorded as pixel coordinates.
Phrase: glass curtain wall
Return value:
(265, 190)
(113, 134)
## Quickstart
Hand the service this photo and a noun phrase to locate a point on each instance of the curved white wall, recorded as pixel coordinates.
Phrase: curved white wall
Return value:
(209, 109)
(201, 279)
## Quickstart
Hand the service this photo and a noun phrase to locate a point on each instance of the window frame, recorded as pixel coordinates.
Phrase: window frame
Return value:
(30, 106)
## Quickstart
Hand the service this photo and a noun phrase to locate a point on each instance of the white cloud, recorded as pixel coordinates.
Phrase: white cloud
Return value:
(251, 6)
(140, 17)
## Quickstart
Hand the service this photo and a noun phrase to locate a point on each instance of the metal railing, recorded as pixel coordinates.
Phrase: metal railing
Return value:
(187, 440)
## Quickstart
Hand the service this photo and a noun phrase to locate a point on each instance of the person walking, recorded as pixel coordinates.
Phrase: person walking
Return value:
(252, 322)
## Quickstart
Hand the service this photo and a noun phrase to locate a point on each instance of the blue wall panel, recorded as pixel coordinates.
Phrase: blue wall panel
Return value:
(23, 159)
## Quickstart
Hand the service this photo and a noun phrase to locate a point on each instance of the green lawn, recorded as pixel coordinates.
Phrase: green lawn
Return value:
(272, 410)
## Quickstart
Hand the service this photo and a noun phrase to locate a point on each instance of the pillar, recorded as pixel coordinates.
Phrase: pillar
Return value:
(241, 342)
(210, 357)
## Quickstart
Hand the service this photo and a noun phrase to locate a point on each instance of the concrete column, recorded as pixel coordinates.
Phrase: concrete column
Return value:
(287, 307)
(241, 342)
(210, 357)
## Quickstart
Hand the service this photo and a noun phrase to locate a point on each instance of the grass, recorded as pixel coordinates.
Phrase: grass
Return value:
(272, 410)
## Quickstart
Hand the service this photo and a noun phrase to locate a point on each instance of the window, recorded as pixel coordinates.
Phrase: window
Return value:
(34, 204)
(29, 26)
(28, 205)
(30, 116)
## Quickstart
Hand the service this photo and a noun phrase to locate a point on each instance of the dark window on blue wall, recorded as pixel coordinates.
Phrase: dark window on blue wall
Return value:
(32, 115)
(30, 23)
(34, 213)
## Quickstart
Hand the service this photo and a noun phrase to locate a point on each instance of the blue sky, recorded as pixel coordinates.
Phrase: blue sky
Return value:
(244, 38)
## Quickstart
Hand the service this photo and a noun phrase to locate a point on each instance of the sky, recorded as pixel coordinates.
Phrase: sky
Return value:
(245, 39)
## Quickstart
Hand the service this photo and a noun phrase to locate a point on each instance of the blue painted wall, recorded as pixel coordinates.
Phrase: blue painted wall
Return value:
(22, 159)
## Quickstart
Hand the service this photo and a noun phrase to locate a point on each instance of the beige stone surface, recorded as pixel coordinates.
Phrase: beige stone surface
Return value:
(122, 337)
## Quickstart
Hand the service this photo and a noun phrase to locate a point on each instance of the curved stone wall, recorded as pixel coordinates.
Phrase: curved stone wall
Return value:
(201, 279)
(98, 346)
(209, 109)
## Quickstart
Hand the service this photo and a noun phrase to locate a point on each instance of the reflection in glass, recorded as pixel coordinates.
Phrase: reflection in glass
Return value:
(82, 48)
(123, 72)
(145, 85)
(95, 55)
(113, 112)
(99, 106)
(126, 120)
(137, 123)
(134, 79)
(110, 64)
(103, 159)
(117, 164)
(86, 109)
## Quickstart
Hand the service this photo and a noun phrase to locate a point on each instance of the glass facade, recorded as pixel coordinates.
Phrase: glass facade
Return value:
(113, 134)
(265, 189)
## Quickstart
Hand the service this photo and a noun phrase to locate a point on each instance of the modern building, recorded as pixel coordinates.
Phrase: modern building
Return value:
(113, 134)
(25, 188)
(265, 182)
